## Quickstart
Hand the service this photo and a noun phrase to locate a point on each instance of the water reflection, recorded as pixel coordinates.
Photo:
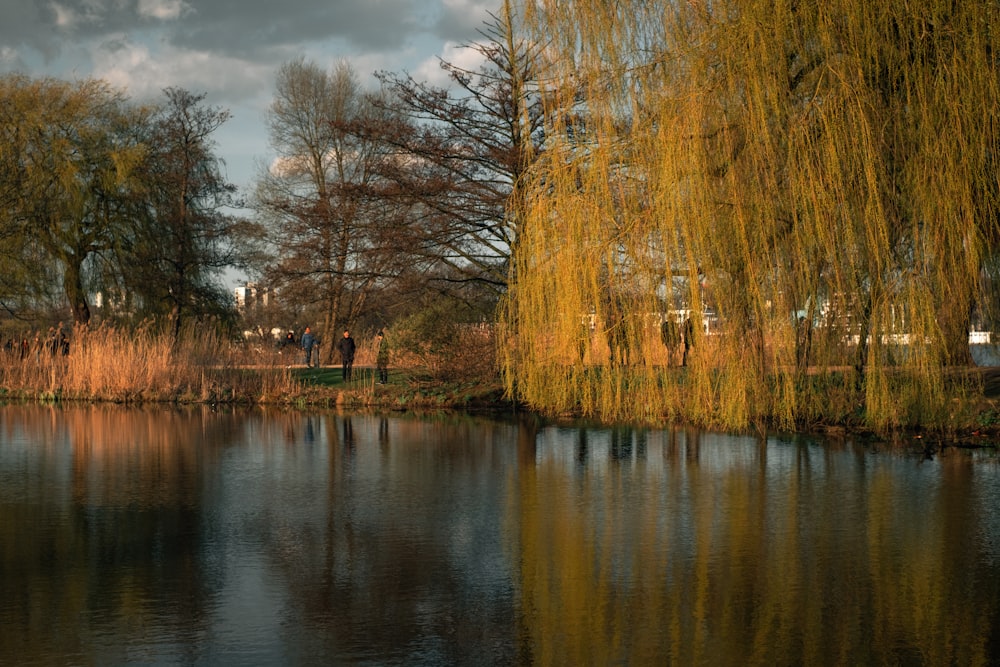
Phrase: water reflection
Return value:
(137, 536)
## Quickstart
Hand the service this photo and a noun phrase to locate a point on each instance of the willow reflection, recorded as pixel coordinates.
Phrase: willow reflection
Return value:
(747, 558)
(326, 537)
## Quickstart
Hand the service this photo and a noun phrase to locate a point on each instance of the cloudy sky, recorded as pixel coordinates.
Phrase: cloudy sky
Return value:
(230, 49)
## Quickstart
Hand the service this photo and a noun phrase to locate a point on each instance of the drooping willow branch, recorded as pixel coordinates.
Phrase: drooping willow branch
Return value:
(790, 176)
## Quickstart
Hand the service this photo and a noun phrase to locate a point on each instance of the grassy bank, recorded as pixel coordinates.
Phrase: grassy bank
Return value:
(131, 367)
(105, 364)
(406, 389)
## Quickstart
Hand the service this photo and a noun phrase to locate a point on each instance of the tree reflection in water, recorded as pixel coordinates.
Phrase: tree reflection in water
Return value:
(152, 535)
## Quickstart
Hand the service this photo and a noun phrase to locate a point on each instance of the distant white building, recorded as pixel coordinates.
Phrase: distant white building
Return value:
(249, 295)
(113, 301)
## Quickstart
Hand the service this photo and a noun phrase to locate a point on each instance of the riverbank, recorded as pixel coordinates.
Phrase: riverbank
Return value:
(289, 386)
(975, 421)
(977, 427)
(405, 390)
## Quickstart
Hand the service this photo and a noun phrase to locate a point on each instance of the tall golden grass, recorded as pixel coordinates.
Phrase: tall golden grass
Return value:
(760, 160)
(132, 365)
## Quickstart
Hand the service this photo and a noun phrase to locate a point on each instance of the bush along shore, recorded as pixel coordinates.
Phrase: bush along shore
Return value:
(102, 365)
(105, 364)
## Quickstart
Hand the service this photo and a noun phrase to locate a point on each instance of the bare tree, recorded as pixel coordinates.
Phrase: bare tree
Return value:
(325, 230)
(467, 146)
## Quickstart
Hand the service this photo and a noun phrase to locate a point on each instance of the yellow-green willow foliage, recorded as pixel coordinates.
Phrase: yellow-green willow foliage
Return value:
(756, 162)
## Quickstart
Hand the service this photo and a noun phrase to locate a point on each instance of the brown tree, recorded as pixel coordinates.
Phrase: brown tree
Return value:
(186, 240)
(464, 149)
(325, 230)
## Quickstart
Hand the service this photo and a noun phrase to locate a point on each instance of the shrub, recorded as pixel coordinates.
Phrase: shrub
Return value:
(438, 340)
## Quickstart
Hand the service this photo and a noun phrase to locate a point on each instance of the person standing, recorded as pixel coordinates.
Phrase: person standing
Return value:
(52, 340)
(63, 341)
(307, 341)
(582, 340)
(382, 357)
(346, 347)
(670, 336)
(688, 334)
(803, 340)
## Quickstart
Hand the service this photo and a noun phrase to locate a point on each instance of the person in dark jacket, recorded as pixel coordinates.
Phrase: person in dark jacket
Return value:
(670, 335)
(346, 347)
(688, 332)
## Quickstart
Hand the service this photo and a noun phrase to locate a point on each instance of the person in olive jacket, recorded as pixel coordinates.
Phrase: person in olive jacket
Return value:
(382, 357)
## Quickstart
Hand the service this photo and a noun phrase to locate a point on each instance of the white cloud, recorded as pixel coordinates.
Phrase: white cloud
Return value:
(144, 73)
(125, 64)
(230, 49)
(460, 56)
(288, 167)
(469, 7)
(463, 17)
(65, 18)
(163, 10)
(9, 55)
(465, 57)
(86, 13)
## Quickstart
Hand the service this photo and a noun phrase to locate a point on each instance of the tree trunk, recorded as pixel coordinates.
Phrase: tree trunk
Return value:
(864, 333)
(75, 294)
(175, 322)
(954, 318)
(330, 335)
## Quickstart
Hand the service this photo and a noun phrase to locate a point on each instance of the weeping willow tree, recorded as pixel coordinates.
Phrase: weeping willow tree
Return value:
(814, 184)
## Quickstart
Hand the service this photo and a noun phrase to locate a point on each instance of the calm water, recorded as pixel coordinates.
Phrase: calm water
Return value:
(151, 536)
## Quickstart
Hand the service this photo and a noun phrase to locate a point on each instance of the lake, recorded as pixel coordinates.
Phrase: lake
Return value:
(138, 536)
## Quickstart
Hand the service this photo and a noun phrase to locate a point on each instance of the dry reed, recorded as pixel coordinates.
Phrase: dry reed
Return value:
(105, 363)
